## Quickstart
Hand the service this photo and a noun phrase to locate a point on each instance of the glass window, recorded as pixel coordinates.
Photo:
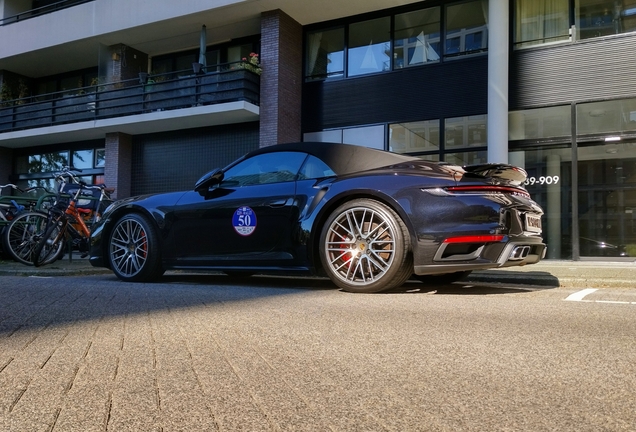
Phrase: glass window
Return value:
(263, 169)
(466, 27)
(417, 37)
(550, 185)
(367, 136)
(414, 137)
(595, 18)
(369, 47)
(606, 117)
(325, 54)
(540, 123)
(315, 168)
(607, 199)
(239, 52)
(541, 21)
(467, 158)
(47, 162)
(467, 131)
(100, 157)
(83, 159)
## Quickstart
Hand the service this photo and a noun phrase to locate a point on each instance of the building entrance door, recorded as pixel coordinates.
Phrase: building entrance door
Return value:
(607, 199)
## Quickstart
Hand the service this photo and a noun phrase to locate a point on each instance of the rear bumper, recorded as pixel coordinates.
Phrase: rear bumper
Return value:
(508, 253)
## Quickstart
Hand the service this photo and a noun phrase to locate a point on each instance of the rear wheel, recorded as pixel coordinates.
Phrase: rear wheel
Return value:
(365, 247)
(50, 242)
(133, 249)
(20, 237)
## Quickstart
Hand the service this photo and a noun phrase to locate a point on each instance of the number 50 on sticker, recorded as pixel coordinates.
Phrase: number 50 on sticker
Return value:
(244, 221)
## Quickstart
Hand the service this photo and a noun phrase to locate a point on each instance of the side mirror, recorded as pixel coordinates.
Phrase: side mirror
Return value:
(210, 179)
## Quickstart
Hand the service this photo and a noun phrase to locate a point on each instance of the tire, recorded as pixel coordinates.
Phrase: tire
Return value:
(50, 242)
(442, 279)
(19, 238)
(133, 249)
(365, 247)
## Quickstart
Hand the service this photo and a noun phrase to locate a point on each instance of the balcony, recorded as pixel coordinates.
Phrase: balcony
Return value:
(32, 13)
(143, 105)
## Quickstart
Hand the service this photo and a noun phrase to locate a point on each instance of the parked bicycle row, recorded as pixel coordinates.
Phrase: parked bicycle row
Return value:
(38, 229)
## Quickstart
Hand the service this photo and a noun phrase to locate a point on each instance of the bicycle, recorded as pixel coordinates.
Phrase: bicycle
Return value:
(20, 224)
(69, 219)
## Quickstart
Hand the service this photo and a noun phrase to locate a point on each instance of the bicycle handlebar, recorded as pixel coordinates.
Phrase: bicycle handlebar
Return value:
(11, 186)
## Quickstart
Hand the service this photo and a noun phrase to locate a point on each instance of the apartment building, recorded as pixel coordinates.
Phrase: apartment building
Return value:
(146, 95)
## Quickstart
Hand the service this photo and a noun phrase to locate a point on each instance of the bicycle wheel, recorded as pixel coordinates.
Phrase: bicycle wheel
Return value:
(20, 237)
(50, 242)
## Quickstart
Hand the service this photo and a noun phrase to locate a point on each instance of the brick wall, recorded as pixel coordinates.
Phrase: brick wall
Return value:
(117, 172)
(281, 80)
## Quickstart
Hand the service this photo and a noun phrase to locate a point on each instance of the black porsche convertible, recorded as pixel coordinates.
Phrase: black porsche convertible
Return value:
(366, 218)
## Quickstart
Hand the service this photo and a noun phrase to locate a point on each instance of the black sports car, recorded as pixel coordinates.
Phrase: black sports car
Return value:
(369, 219)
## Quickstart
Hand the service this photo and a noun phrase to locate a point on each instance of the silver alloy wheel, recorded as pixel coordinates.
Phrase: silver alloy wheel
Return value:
(128, 247)
(360, 245)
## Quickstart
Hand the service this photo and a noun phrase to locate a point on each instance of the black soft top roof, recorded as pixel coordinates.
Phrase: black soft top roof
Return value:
(342, 158)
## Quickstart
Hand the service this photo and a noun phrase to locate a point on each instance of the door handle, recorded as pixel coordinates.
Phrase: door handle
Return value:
(278, 202)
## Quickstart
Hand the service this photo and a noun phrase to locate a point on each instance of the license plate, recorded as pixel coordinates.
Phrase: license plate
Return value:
(533, 223)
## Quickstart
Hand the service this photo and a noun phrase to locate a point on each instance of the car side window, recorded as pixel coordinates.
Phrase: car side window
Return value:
(314, 168)
(265, 168)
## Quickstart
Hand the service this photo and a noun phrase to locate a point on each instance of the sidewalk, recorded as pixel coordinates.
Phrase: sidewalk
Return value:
(548, 273)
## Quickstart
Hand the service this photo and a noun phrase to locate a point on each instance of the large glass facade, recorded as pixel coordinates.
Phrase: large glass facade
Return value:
(396, 41)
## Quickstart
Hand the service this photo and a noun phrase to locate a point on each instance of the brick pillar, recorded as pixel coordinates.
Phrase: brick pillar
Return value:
(281, 80)
(6, 166)
(118, 163)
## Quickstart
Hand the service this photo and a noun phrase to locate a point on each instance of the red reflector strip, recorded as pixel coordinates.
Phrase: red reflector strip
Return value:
(475, 239)
(486, 189)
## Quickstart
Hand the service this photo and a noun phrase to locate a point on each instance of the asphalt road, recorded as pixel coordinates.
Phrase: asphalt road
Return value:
(208, 353)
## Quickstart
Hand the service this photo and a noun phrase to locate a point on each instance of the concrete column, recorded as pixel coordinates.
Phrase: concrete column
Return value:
(118, 164)
(498, 48)
(281, 80)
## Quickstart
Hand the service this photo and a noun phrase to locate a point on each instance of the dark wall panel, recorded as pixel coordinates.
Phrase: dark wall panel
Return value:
(174, 161)
(586, 70)
(450, 89)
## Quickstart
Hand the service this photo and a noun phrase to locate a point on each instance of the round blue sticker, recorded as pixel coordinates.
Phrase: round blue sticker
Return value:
(244, 221)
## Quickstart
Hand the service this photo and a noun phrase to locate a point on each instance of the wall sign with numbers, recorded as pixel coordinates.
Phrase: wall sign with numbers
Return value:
(543, 180)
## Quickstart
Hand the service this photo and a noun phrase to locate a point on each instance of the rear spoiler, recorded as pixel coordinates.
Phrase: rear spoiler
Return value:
(514, 174)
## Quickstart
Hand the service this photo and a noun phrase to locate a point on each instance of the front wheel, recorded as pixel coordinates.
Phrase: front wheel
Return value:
(365, 247)
(133, 249)
(20, 237)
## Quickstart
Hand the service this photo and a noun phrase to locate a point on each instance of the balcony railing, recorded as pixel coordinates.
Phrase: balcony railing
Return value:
(32, 13)
(131, 97)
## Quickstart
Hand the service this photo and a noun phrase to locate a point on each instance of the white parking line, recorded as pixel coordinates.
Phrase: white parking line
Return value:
(580, 295)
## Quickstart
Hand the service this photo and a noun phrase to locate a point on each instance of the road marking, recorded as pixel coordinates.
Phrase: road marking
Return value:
(580, 295)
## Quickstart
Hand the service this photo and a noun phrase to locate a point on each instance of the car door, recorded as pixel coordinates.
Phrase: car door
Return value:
(247, 218)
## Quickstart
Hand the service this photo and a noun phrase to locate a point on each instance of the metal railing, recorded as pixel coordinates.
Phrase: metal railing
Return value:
(32, 13)
(148, 93)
